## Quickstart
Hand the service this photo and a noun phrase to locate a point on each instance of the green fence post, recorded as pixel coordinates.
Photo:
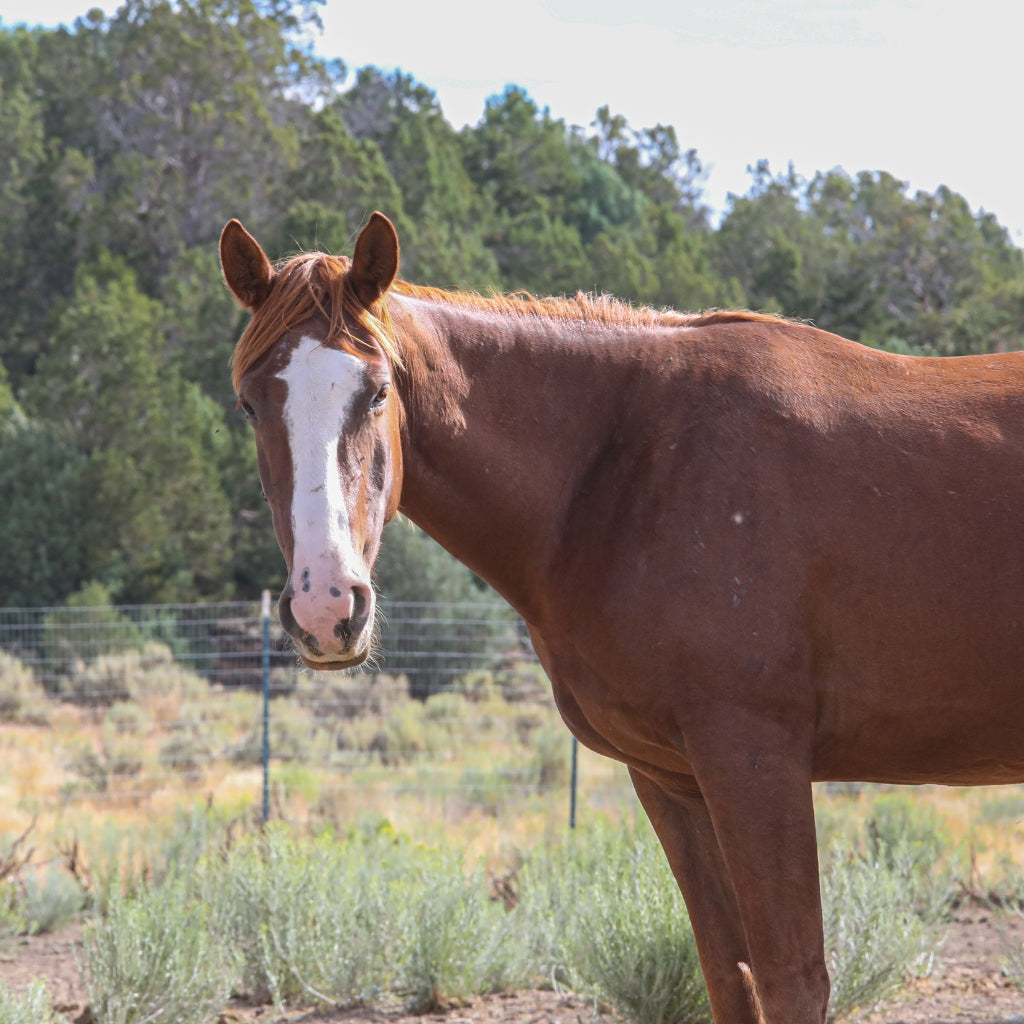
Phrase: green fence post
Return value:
(572, 782)
(266, 706)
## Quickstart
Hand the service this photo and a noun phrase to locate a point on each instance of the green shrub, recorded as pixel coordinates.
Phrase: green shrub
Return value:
(123, 859)
(1004, 883)
(295, 735)
(627, 936)
(13, 921)
(551, 756)
(522, 681)
(32, 1006)
(1006, 808)
(446, 709)
(83, 633)
(478, 686)
(1006, 886)
(192, 835)
(898, 819)
(230, 712)
(909, 837)
(310, 919)
(153, 672)
(405, 734)
(126, 718)
(874, 938)
(300, 779)
(911, 840)
(355, 920)
(101, 681)
(184, 753)
(141, 670)
(22, 699)
(456, 943)
(118, 757)
(153, 960)
(344, 697)
(488, 790)
(248, 751)
(53, 899)
(1013, 950)
(84, 761)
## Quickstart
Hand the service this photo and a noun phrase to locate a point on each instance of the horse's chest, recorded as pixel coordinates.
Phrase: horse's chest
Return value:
(612, 712)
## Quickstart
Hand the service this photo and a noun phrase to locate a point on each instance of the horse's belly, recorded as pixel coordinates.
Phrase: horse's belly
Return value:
(974, 738)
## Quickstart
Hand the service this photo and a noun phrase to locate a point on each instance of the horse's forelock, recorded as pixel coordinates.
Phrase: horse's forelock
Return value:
(309, 285)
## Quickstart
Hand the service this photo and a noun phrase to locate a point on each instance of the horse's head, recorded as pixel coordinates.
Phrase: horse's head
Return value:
(313, 373)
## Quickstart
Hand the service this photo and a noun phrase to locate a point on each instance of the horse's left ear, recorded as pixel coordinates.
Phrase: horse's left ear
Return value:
(375, 260)
(245, 266)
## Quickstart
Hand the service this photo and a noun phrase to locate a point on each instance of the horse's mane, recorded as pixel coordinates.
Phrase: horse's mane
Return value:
(315, 283)
(581, 306)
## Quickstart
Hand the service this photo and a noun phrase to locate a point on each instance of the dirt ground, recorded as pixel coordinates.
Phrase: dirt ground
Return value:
(967, 986)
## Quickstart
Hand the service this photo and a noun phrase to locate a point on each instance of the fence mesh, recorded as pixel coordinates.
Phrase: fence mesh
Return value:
(139, 707)
(430, 644)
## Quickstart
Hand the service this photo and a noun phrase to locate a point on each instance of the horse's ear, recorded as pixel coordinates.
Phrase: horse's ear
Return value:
(245, 266)
(375, 260)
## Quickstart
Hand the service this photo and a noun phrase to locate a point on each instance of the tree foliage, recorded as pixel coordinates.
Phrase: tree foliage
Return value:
(127, 141)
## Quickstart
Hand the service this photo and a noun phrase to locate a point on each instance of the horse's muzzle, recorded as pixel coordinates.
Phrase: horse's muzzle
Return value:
(334, 633)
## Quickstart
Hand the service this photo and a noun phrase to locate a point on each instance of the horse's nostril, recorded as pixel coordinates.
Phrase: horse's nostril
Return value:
(284, 613)
(291, 625)
(360, 603)
(348, 629)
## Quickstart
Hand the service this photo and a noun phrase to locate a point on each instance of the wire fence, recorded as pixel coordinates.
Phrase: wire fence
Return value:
(141, 707)
(430, 644)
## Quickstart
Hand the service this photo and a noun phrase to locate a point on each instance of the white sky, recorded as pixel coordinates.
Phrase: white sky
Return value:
(928, 90)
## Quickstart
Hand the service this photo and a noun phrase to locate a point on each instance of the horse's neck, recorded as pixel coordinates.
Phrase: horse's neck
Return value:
(495, 447)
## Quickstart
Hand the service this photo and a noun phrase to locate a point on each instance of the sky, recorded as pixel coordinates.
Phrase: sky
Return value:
(928, 90)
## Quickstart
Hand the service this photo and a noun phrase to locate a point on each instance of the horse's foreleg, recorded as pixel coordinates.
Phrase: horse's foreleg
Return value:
(759, 797)
(684, 827)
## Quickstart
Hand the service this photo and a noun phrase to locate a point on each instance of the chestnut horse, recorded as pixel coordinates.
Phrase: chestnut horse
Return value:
(750, 554)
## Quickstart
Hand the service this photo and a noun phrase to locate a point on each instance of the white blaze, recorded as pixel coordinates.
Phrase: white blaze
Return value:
(321, 384)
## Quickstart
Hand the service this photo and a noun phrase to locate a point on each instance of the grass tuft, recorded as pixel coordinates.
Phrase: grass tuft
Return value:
(31, 1006)
(154, 960)
(608, 920)
(878, 932)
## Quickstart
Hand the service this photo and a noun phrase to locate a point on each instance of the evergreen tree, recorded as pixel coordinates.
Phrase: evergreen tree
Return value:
(444, 244)
(155, 520)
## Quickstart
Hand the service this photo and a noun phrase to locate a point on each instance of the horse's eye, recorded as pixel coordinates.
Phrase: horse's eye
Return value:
(381, 397)
(250, 412)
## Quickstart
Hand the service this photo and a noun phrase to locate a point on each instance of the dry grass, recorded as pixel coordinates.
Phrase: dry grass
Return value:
(984, 825)
(346, 751)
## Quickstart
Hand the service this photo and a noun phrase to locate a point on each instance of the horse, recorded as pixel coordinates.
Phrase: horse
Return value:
(750, 554)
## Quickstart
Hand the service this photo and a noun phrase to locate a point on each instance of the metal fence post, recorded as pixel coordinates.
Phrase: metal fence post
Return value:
(266, 706)
(572, 782)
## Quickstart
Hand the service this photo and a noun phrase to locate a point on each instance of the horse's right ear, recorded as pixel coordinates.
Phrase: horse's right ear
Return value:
(245, 266)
